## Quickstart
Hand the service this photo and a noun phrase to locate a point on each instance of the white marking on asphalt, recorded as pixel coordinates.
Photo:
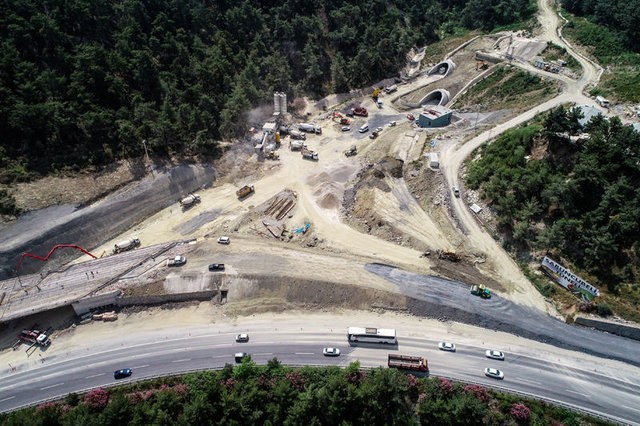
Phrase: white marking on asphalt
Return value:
(8, 398)
(304, 353)
(625, 406)
(95, 375)
(220, 345)
(139, 366)
(220, 356)
(52, 386)
(529, 381)
(266, 343)
(182, 360)
(577, 393)
(265, 353)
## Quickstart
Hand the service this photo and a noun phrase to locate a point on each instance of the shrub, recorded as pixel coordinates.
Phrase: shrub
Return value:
(520, 412)
(603, 310)
(478, 391)
(97, 399)
(446, 387)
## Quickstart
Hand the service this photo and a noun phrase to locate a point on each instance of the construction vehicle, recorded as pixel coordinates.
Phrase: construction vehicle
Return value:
(35, 337)
(296, 145)
(360, 111)
(126, 245)
(244, 191)
(481, 65)
(308, 154)
(299, 136)
(373, 134)
(177, 261)
(411, 117)
(310, 128)
(189, 201)
(408, 362)
(339, 118)
(449, 255)
(351, 151)
(272, 155)
(376, 93)
(481, 290)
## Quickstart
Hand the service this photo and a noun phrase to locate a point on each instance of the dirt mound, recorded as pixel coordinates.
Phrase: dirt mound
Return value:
(329, 195)
(328, 186)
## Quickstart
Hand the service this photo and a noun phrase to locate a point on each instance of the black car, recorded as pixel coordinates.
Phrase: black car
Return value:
(121, 374)
(216, 267)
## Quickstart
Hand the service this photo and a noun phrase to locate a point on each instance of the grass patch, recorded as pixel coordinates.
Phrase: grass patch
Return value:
(553, 52)
(507, 87)
(436, 51)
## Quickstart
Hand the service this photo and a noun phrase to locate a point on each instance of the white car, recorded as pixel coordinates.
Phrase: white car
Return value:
(224, 240)
(392, 123)
(445, 346)
(241, 338)
(379, 129)
(331, 352)
(345, 128)
(494, 372)
(490, 353)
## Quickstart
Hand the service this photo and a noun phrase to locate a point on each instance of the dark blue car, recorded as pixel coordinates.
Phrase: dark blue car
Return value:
(121, 374)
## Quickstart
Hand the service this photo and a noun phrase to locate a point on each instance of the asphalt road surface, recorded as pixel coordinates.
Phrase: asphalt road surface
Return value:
(450, 300)
(589, 390)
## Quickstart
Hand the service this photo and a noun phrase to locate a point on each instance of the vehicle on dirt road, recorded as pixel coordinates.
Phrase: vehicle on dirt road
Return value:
(494, 373)
(490, 353)
(189, 201)
(411, 117)
(456, 191)
(392, 123)
(481, 290)
(245, 191)
(331, 352)
(126, 245)
(216, 267)
(345, 128)
(351, 151)
(177, 261)
(224, 240)
(448, 347)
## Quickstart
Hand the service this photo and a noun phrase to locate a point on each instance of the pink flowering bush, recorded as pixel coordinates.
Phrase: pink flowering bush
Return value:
(520, 412)
(478, 391)
(97, 399)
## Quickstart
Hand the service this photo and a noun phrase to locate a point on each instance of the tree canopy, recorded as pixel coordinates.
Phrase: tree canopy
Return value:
(84, 82)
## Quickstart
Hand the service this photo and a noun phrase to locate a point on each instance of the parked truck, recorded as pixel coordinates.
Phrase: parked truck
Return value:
(296, 145)
(244, 191)
(36, 337)
(126, 245)
(408, 362)
(177, 261)
(299, 136)
(189, 201)
(360, 111)
(310, 128)
(308, 154)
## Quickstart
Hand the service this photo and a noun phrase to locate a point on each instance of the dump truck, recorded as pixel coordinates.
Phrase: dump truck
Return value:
(360, 111)
(295, 135)
(126, 245)
(36, 337)
(189, 201)
(408, 362)
(296, 145)
(481, 290)
(244, 191)
(310, 128)
(177, 261)
(308, 154)
(351, 151)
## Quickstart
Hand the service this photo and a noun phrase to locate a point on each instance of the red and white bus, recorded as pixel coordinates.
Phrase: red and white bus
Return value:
(372, 335)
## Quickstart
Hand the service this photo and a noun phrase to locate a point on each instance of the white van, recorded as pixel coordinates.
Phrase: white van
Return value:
(364, 128)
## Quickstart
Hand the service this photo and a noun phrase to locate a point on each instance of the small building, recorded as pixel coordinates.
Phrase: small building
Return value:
(435, 116)
(433, 160)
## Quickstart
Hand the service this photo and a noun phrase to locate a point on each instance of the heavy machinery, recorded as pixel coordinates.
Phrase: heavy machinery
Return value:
(244, 191)
(376, 93)
(481, 290)
(272, 155)
(296, 145)
(309, 154)
(481, 65)
(360, 111)
(408, 362)
(189, 201)
(373, 134)
(310, 128)
(339, 118)
(126, 245)
(351, 151)
(298, 136)
(35, 337)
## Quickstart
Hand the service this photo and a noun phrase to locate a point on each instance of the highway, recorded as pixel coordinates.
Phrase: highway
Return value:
(590, 390)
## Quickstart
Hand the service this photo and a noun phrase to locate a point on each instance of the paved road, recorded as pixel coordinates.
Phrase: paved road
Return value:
(589, 390)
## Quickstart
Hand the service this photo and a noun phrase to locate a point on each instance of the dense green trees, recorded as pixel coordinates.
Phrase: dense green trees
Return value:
(85, 81)
(276, 395)
(581, 200)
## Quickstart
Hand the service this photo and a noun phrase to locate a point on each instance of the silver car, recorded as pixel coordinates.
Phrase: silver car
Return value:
(242, 338)
(331, 352)
(490, 353)
(445, 346)
(494, 373)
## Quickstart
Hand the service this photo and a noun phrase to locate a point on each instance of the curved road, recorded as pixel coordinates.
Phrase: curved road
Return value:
(205, 349)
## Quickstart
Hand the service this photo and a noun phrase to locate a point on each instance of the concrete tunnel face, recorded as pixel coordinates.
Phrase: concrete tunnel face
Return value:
(443, 68)
(439, 97)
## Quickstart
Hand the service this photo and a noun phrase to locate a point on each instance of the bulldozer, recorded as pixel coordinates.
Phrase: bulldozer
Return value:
(272, 156)
(338, 117)
(481, 290)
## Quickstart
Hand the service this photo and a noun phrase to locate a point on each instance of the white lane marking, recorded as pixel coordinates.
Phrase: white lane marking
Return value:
(95, 375)
(220, 345)
(52, 386)
(220, 356)
(529, 381)
(139, 366)
(577, 393)
(304, 353)
(625, 406)
(266, 343)
(265, 353)
(6, 399)
(182, 360)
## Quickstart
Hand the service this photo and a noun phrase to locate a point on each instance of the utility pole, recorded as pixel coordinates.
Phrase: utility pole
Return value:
(144, 143)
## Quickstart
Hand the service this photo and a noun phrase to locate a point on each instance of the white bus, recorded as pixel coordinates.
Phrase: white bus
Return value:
(372, 335)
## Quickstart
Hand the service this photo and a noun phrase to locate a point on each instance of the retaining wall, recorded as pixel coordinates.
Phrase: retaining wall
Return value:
(610, 327)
